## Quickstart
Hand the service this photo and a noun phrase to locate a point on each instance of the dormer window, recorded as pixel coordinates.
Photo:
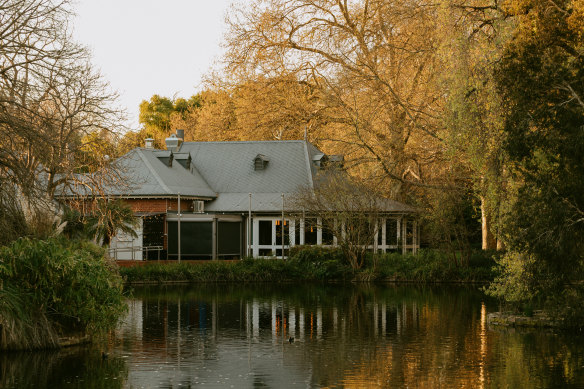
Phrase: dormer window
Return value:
(323, 161)
(320, 160)
(260, 162)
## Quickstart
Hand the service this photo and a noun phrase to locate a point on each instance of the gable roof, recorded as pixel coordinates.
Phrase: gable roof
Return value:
(147, 174)
(224, 174)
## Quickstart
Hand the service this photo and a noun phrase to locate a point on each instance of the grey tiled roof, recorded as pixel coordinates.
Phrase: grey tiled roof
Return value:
(228, 167)
(224, 173)
(146, 175)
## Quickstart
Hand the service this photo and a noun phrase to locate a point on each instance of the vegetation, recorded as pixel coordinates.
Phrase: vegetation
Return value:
(111, 217)
(53, 288)
(541, 80)
(51, 103)
(471, 110)
(314, 263)
(348, 211)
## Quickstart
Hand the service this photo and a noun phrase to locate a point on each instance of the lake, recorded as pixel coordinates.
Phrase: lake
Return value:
(289, 335)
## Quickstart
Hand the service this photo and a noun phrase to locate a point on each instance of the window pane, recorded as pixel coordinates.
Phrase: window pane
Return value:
(297, 232)
(279, 232)
(391, 232)
(265, 233)
(310, 231)
(379, 233)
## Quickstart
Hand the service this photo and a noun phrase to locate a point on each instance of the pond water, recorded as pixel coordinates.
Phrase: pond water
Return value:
(229, 336)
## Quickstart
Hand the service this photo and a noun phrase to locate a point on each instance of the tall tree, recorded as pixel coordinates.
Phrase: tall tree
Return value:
(50, 98)
(472, 36)
(541, 77)
(372, 64)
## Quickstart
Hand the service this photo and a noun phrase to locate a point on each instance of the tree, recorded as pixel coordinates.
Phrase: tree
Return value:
(109, 218)
(51, 100)
(349, 211)
(541, 77)
(472, 36)
(372, 65)
(155, 114)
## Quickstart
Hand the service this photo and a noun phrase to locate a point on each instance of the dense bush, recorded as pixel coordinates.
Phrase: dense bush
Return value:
(313, 263)
(65, 286)
(436, 266)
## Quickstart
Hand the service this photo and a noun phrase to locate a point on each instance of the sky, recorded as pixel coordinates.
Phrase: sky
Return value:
(146, 47)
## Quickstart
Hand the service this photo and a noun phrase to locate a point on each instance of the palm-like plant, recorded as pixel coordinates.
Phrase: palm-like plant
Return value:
(109, 218)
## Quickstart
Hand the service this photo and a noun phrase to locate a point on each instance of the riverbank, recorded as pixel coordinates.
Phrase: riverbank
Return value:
(538, 319)
(322, 265)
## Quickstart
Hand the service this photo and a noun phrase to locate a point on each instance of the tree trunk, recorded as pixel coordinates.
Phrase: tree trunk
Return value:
(489, 241)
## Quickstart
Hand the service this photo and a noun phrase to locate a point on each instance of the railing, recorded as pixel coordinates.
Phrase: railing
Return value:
(114, 251)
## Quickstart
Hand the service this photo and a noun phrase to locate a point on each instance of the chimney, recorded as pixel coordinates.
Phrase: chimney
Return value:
(172, 142)
(180, 134)
(149, 143)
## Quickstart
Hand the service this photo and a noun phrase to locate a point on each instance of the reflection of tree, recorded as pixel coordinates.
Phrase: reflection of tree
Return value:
(358, 336)
(68, 368)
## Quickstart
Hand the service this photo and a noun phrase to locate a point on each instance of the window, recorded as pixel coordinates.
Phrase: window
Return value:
(310, 231)
(391, 232)
(327, 232)
(260, 162)
(265, 232)
(279, 232)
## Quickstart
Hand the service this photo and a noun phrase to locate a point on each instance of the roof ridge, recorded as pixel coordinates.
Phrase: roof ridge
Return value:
(247, 141)
(153, 172)
(308, 161)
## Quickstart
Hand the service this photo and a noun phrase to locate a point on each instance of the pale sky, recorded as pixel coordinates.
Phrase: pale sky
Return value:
(146, 47)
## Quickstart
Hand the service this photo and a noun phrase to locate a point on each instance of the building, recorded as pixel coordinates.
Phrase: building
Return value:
(226, 189)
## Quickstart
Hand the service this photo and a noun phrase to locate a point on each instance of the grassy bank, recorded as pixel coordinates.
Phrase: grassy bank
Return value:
(312, 263)
(55, 288)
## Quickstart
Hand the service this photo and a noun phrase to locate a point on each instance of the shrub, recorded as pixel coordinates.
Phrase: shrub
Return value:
(305, 254)
(68, 283)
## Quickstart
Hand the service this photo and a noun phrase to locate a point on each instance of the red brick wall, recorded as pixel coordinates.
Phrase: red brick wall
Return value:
(159, 205)
(148, 205)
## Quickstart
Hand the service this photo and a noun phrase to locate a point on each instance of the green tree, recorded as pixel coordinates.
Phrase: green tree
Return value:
(541, 77)
(155, 114)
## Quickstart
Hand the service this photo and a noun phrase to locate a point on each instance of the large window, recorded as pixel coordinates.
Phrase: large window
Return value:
(409, 238)
(310, 231)
(196, 239)
(229, 238)
(327, 232)
(153, 236)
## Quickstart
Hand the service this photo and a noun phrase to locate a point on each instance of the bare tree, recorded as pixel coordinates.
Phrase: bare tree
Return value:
(373, 63)
(349, 210)
(51, 99)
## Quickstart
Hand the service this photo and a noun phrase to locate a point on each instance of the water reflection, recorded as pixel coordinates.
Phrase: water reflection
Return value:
(343, 336)
(70, 368)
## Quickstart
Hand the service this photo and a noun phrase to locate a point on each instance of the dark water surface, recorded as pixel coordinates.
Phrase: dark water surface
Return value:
(229, 336)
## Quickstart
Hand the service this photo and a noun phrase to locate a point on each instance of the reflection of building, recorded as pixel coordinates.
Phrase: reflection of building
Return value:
(362, 338)
(222, 187)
